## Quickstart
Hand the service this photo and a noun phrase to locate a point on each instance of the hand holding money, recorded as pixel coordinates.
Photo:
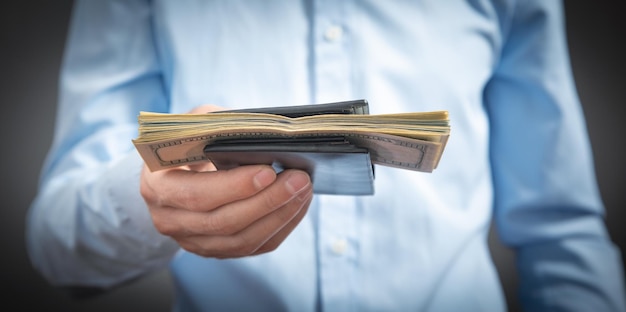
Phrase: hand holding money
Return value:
(228, 213)
(337, 144)
(413, 141)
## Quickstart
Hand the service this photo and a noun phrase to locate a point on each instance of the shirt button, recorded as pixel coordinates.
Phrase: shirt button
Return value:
(339, 247)
(333, 33)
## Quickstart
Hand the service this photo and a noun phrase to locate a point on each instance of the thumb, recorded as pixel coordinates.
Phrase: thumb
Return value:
(206, 108)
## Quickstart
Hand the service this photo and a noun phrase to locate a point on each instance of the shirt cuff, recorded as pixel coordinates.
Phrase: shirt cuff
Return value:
(123, 183)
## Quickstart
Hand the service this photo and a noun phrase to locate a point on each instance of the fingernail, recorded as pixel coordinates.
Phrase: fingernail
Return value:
(264, 178)
(297, 181)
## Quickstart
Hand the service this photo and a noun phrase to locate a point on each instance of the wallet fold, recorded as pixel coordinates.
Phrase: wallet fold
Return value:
(334, 170)
(336, 166)
(359, 107)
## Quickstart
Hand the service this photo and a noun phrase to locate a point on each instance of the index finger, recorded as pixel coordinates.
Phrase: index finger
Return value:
(204, 191)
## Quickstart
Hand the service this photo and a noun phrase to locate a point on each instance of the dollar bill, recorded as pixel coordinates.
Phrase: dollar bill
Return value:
(412, 141)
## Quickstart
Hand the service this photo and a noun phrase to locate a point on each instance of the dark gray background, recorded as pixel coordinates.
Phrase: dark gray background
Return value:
(32, 35)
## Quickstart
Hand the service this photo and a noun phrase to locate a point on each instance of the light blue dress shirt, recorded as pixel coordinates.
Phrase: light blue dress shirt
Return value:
(518, 152)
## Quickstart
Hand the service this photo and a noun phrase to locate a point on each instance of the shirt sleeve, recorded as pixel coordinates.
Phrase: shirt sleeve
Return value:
(547, 204)
(88, 225)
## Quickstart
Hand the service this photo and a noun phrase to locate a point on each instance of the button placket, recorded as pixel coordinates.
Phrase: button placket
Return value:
(332, 67)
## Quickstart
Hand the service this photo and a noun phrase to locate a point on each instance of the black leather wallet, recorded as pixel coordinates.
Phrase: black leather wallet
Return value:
(360, 107)
(336, 166)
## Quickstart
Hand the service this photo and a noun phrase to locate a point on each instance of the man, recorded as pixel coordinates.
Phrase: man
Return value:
(250, 239)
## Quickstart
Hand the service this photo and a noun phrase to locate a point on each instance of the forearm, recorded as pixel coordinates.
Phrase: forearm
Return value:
(91, 228)
(581, 273)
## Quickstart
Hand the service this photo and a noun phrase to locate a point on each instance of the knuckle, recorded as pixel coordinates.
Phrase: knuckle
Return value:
(198, 247)
(166, 229)
(164, 225)
(270, 200)
(217, 225)
(188, 199)
(240, 247)
(189, 246)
